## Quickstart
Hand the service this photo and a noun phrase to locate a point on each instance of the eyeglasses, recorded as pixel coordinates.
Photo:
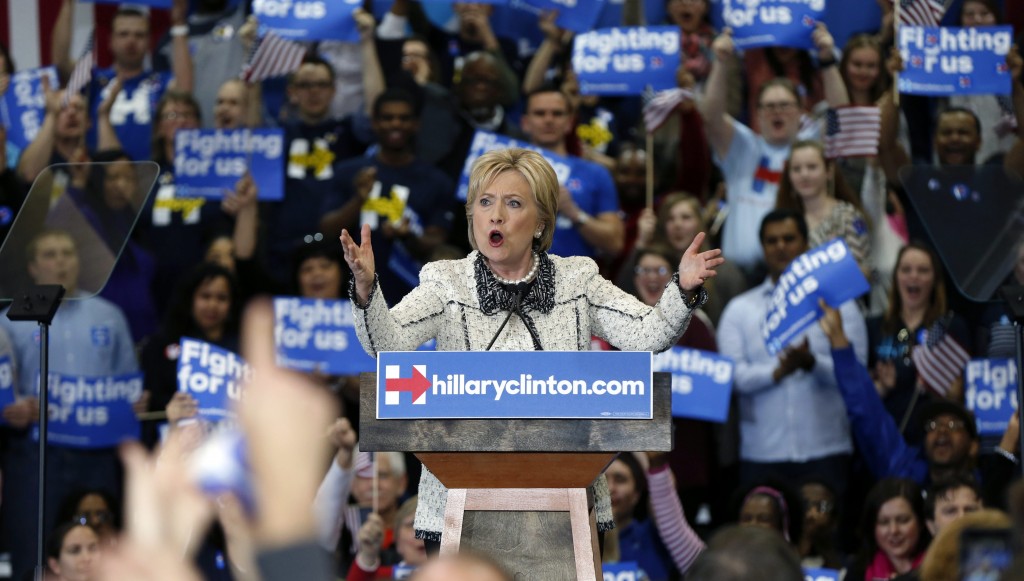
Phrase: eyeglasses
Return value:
(650, 270)
(306, 85)
(950, 426)
(777, 107)
(823, 506)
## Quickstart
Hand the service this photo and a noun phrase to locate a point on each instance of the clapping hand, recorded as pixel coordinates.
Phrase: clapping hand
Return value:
(695, 267)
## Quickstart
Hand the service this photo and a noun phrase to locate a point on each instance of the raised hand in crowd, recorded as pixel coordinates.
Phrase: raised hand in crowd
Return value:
(240, 545)
(365, 24)
(343, 438)
(723, 46)
(106, 137)
(247, 32)
(824, 42)
(546, 24)
(242, 198)
(476, 25)
(646, 226)
(371, 538)
(793, 359)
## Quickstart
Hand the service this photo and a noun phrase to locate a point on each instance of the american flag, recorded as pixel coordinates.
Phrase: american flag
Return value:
(852, 131)
(272, 56)
(658, 106)
(81, 74)
(940, 360)
(922, 12)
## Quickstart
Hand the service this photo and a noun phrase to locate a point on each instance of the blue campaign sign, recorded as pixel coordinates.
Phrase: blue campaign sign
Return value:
(941, 61)
(626, 60)
(318, 335)
(757, 23)
(309, 19)
(701, 383)
(208, 162)
(6, 385)
(509, 384)
(990, 390)
(820, 574)
(575, 15)
(221, 465)
(93, 412)
(23, 106)
(829, 272)
(213, 376)
(484, 141)
(621, 571)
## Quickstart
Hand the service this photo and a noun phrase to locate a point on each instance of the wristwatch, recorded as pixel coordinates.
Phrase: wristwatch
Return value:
(696, 299)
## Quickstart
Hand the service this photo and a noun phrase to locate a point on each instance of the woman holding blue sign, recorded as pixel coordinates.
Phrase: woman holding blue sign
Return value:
(561, 303)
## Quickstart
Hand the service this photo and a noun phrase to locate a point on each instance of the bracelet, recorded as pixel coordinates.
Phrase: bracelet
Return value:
(1008, 455)
(823, 64)
(179, 30)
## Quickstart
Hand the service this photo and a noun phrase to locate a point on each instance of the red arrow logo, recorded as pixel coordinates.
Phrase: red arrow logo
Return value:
(417, 385)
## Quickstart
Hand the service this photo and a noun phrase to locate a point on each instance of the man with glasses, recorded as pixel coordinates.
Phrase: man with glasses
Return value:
(752, 163)
(315, 142)
(951, 440)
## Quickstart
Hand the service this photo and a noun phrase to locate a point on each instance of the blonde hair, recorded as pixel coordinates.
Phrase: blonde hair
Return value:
(537, 172)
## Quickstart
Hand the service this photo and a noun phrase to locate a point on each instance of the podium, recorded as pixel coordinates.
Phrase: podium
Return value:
(517, 489)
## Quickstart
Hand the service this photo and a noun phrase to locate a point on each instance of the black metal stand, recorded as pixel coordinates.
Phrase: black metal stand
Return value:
(1014, 297)
(40, 304)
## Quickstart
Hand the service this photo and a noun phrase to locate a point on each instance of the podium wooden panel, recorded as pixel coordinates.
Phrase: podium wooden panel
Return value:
(509, 479)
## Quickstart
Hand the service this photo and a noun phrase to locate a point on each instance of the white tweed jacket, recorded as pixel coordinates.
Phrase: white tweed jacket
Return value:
(461, 305)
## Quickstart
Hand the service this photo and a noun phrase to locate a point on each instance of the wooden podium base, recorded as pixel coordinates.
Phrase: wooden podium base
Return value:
(524, 530)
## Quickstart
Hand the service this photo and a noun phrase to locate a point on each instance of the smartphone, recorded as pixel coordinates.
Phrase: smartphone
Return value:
(985, 553)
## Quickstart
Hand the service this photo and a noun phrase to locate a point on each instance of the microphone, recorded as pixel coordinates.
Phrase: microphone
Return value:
(521, 289)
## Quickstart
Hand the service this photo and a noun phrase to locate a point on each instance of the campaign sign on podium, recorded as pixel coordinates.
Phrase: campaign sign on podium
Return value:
(534, 385)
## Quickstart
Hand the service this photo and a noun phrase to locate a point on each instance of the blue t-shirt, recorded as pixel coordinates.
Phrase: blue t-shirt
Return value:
(133, 111)
(314, 151)
(594, 192)
(419, 192)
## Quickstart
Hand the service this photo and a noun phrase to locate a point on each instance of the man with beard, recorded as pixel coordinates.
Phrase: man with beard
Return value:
(140, 88)
(407, 203)
(951, 435)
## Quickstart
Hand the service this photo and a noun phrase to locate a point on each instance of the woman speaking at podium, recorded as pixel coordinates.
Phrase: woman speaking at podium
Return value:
(559, 303)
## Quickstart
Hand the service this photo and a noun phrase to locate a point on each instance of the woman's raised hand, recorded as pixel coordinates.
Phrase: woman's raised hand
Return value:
(695, 267)
(360, 260)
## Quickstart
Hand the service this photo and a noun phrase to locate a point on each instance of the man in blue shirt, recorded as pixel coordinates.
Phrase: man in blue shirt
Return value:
(88, 337)
(141, 88)
(407, 202)
(792, 420)
(588, 222)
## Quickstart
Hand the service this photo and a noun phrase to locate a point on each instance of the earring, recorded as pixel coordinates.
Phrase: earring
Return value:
(538, 233)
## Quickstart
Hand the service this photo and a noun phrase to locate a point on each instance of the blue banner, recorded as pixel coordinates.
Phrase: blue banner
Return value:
(757, 23)
(575, 15)
(829, 272)
(6, 385)
(93, 412)
(208, 162)
(621, 571)
(625, 61)
(939, 61)
(213, 376)
(820, 574)
(23, 106)
(701, 383)
(318, 335)
(990, 390)
(309, 19)
(484, 141)
(491, 384)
